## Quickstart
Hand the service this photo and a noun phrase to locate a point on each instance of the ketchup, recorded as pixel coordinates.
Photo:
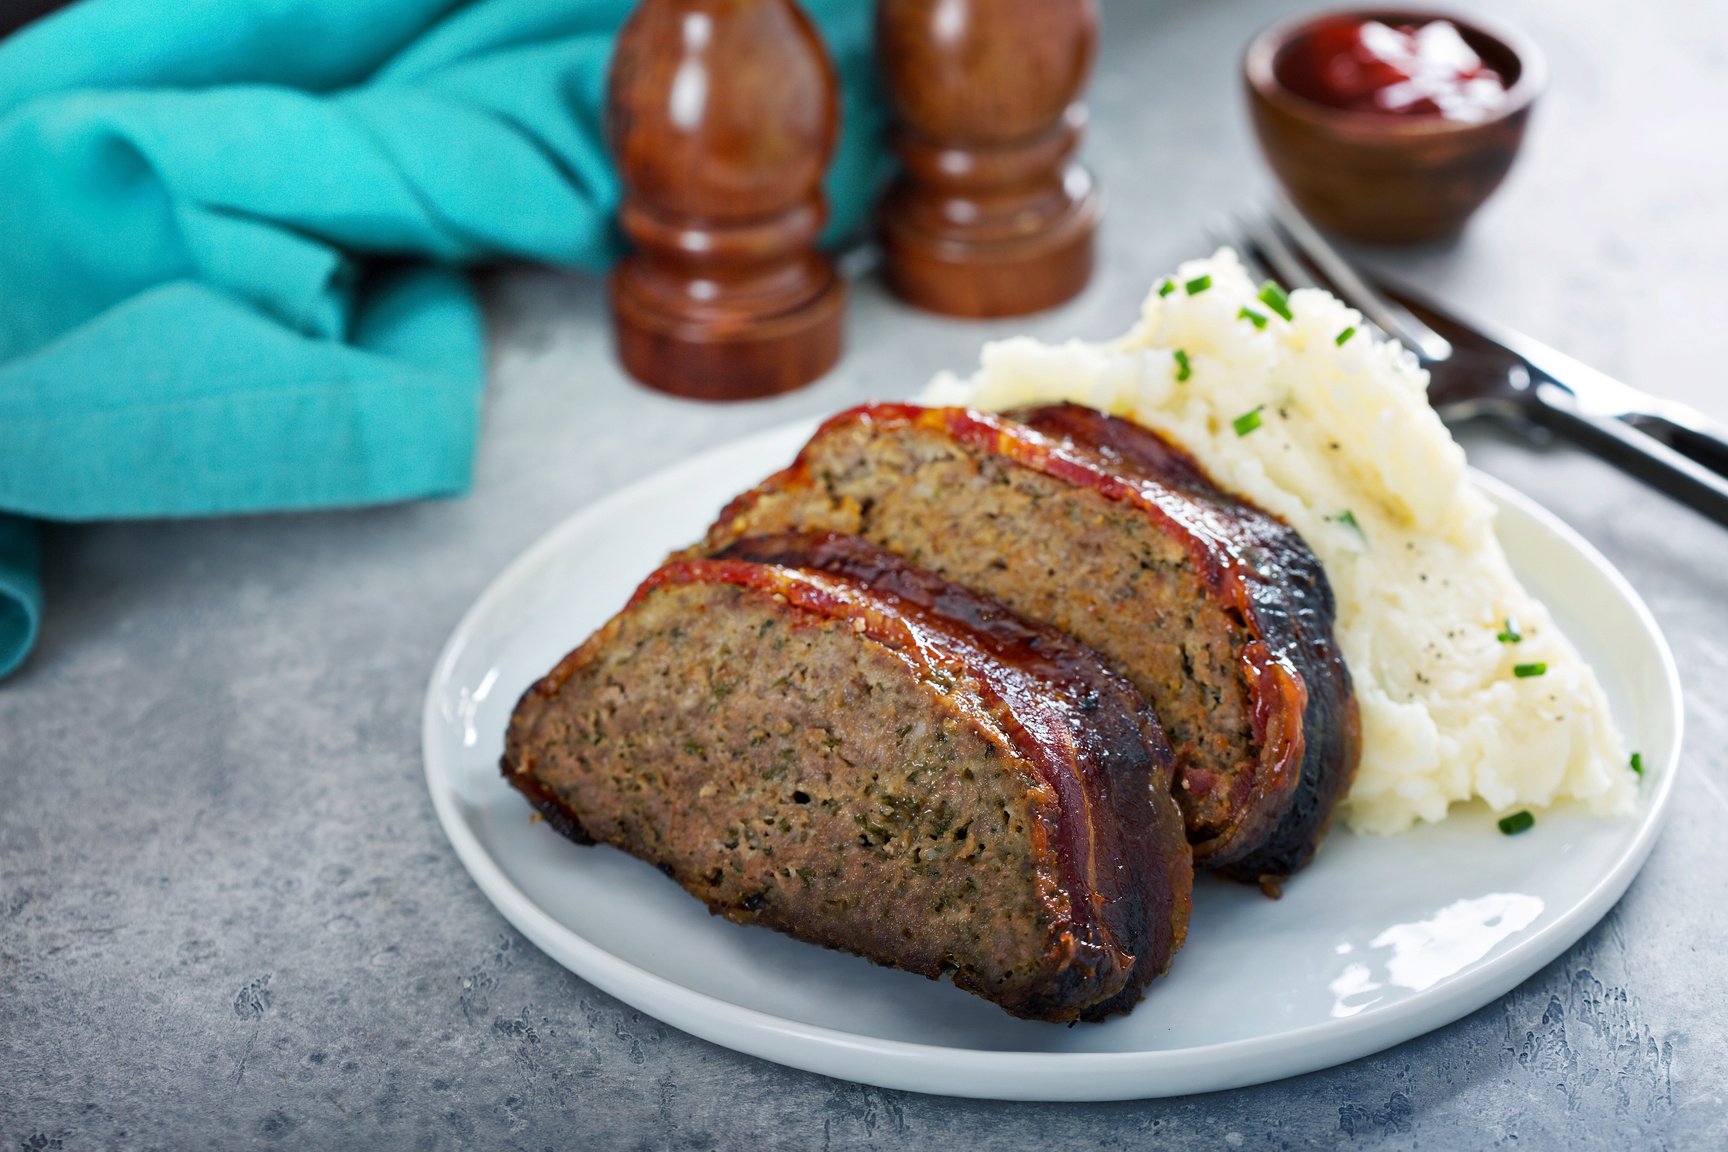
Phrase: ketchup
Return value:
(1393, 70)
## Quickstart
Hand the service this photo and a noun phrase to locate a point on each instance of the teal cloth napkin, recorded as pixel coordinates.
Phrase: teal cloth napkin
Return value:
(231, 235)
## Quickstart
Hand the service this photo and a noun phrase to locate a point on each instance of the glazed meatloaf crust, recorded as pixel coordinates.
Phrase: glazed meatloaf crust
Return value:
(1216, 610)
(809, 734)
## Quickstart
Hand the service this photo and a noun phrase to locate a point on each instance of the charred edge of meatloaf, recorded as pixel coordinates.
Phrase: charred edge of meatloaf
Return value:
(733, 710)
(1235, 703)
(1058, 699)
(545, 801)
(1289, 606)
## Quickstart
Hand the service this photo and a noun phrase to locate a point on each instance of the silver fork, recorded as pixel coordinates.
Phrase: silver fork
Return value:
(1480, 370)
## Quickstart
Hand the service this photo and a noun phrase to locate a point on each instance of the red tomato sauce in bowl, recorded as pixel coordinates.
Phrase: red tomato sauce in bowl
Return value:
(1394, 69)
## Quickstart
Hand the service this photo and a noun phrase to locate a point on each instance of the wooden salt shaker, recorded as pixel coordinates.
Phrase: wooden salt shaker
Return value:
(992, 216)
(722, 115)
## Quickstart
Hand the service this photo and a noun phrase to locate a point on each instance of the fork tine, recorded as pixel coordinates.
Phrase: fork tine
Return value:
(1386, 315)
(1226, 233)
(1275, 251)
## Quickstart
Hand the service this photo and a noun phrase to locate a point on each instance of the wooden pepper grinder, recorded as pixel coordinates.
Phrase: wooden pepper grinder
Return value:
(722, 115)
(992, 216)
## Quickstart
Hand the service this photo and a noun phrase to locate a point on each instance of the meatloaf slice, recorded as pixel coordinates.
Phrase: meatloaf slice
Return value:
(810, 735)
(1216, 610)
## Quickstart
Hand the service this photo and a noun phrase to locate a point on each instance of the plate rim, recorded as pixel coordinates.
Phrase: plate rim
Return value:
(1026, 1076)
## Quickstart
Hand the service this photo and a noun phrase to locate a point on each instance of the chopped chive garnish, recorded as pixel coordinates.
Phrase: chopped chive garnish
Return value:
(1509, 634)
(1248, 421)
(1274, 298)
(1183, 368)
(1197, 285)
(1167, 287)
(1516, 823)
(1258, 319)
(1344, 336)
(1348, 519)
(1525, 671)
(1638, 763)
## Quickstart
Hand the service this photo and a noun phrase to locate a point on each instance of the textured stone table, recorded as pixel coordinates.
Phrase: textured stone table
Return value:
(228, 917)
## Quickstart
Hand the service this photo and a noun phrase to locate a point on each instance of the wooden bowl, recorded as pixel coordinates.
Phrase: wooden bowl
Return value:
(1388, 179)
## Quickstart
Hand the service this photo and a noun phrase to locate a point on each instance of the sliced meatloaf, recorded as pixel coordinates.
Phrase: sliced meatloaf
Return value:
(1216, 610)
(809, 734)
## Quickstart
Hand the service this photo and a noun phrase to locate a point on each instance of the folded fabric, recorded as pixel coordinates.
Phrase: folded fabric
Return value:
(20, 591)
(230, 235)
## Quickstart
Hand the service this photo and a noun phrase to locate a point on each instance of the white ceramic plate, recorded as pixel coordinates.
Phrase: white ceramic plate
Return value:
(1381, 940)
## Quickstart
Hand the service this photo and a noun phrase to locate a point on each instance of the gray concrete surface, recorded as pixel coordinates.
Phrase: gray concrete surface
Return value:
(227, 915)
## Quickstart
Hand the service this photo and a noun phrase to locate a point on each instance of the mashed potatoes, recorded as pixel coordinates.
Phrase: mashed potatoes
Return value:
(1334, 434)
